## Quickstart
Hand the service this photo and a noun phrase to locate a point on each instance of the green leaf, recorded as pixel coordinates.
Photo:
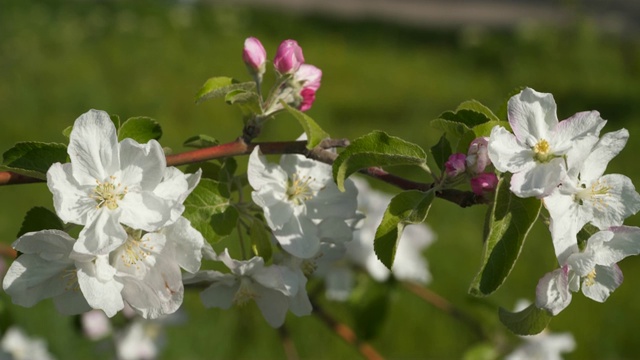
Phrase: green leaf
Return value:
(485, 129)
(476, 106)
(584, 234)
(141, 129)
(33, 158)
(509, 224)
(502, 112)
(465, 141)
(200, 141)
(408, 207)
(314, 132)
(260, 240)
(210, 197)
(481, 351)
(441, 152)
(529, 321)
(221, 86)
(375, 149)
(40, 218)
(224, 223)
(452, 129)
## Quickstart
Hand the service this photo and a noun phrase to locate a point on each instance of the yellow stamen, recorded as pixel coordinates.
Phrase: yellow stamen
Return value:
(108, 193)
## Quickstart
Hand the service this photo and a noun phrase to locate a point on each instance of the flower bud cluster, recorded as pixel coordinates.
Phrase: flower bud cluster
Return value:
(133, 241)
(296, 83)
(474, 167)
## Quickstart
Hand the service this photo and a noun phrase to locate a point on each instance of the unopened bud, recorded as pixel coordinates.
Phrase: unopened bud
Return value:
(455, 165)
(288, 57)
(254, 55)
(478, 156)
(485, 182)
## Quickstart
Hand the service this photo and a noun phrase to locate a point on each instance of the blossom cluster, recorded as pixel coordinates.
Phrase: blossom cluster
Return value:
(475, 167)
(133, 241)
(563, 164)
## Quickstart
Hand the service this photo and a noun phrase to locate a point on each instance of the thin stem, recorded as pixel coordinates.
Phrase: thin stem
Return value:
(290, 351)
(445, 306)
(346, 333)
(8, 251)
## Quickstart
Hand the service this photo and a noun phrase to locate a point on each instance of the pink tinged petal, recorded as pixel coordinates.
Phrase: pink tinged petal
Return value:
(606, 280)
(72, 201)
(145, 211)
(273, 305)
(309, 76)
(482, 183)
(609, 145)
(186, 244)
(102, 234)
(93, 147)
(308, 97)
(254, 55)
(552, 292)
(455, 165)
(147, 157)
(619, 201)
(538, 181)
(624, 242)
(299, 237)
(160, 293)
(101, 291)
(531, 116)
(579, 126)
(506, 153)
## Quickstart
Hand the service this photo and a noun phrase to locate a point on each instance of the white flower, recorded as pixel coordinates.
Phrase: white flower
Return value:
(537, 150)
(586, 196)
(16, 345)
(594, 269)
(293, 195)
(269, 286)
(45, 270)
(108, 183)
(95, 325)
(140, 340)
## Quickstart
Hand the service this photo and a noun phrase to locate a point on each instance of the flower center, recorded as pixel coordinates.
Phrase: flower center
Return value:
(108, 193)
(133, 250)
(71, 277)
(542, 151)
(597, 194)
(590, 278)
(245, 292)
(299, 189)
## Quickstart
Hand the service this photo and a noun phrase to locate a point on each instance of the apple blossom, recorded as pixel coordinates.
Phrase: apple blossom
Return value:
(108, 183)
(537, 150)
(254, 56)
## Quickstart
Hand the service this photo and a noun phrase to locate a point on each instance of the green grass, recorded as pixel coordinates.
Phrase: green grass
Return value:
(57, 61)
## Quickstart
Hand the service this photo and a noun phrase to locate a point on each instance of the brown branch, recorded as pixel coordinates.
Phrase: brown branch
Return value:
(11, 178)
(445, 306)
(8, 251)
(346, 333)
(290, 351)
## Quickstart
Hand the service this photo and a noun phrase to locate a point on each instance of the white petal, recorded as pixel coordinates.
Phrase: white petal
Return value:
(260, 172)
(531, 115)
(145, 211)
(93, 147)
(565, 223)
(277, 211)
(606, 149)
(299, 237)
(306, 168)
(506, 153)
(582, 262)
(332, 202)
(552, 292)
(100, 293)
(624, 242)
(607, 279)
(339, 283)
(149, 158)
(31, 279)
(538, 181)
(219, 295)
(102, 234)
(581, 125)
(71, 200)
(187, 244)
(620, 201)
(273, 305)
(49, 244)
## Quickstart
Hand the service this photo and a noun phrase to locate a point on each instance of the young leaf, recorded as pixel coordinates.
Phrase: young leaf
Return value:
(260, 240)
(200, 141)
(220, 86)
(476, 106)
(40, 218)
(408, 207)
(375, 149)
(33, 158)
(529, 321)
(141, 129)
(210, 197)
(314, 132)
(509, 224)
(441, 152)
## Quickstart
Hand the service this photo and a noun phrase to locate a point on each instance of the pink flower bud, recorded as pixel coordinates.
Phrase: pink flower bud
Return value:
(288, 57)
(478, 157)
(308, 97)
(254, 55)
(309, 76)
(485, 182)
(455, 165)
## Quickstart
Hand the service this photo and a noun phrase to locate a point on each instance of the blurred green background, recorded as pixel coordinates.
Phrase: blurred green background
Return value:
(57, 60)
